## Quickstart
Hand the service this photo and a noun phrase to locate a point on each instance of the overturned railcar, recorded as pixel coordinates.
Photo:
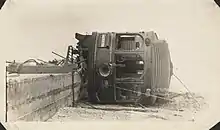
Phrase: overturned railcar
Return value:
(124, 67)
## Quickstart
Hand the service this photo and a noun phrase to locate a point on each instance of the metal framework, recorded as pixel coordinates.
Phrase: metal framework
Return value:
(66, 65)
(111, 62)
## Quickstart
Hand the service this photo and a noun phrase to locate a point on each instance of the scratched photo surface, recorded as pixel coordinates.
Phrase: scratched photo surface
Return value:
(43, 31)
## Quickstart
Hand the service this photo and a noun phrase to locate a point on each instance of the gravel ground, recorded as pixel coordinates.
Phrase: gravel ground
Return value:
(183, 108)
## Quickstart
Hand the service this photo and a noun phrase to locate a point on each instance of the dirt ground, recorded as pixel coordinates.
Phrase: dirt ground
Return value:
(184, 107)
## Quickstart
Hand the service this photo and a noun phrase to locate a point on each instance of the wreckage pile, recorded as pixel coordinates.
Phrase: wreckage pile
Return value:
(182, 108)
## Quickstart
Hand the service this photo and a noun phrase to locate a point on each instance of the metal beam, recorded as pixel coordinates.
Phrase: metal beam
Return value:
(40, 69)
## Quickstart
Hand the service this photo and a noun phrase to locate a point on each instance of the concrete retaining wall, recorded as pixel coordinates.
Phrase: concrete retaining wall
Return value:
(38, 98)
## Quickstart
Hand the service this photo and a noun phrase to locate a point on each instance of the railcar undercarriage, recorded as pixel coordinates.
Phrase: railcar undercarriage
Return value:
(114, 67)
(124, 67)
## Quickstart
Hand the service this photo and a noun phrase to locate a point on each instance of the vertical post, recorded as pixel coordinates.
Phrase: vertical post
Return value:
(73, 72)
(6, 96)
(113, 45)
(73, 92)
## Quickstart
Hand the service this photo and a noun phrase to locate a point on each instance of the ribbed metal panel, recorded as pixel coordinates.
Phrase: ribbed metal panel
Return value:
(160, 66)
(128, 44)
